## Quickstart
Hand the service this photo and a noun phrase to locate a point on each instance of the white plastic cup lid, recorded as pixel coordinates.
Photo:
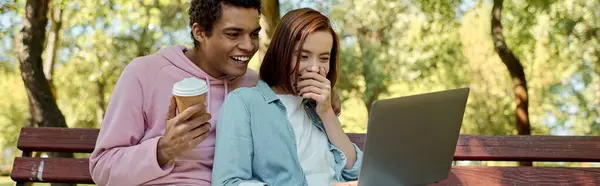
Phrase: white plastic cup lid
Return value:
(190, 87)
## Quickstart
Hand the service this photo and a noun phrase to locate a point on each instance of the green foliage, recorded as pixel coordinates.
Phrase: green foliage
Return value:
(115, 32)
(368, 47)
(439, 9)
(14, 113)
(397, 51)
(438, 46)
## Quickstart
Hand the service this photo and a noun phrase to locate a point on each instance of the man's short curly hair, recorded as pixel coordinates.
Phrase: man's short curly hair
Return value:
(207, 12)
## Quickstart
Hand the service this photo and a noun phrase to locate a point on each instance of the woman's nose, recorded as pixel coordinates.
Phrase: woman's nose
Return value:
(313, 67)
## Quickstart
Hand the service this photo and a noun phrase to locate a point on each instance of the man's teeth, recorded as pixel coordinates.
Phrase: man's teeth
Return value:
(241, 58)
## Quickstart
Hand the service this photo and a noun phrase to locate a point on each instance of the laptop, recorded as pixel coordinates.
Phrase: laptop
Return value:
(411, 140)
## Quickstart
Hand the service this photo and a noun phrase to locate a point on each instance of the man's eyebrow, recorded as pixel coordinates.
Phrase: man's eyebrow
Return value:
(257, 29)
(233, 29)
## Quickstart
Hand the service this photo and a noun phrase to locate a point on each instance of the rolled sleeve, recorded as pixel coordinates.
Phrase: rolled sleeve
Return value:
(352, 173)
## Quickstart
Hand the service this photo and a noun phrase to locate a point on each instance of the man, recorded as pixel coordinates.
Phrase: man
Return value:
(142, 140)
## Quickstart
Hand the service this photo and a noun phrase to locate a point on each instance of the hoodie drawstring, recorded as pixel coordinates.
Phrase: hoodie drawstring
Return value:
(209, 97)
(226, 89)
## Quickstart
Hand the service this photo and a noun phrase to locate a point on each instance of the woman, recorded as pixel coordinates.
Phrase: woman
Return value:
(284, 131)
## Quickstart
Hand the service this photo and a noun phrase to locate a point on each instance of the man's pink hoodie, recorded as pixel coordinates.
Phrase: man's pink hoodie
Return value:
(125, 151)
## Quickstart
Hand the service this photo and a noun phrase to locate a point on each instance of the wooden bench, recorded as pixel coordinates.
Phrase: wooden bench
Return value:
(53, 170)
(470, 147)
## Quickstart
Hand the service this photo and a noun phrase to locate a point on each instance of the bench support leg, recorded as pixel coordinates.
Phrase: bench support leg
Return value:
(26, 154)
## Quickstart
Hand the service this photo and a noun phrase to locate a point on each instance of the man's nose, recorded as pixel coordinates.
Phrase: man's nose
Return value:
(246, 44)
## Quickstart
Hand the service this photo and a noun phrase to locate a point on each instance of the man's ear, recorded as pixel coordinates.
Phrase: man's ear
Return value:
(199, 33)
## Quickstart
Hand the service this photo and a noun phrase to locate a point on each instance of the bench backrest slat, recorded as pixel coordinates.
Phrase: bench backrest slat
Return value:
(520, 148)
(57, 139)
(529, 148)
(469, 147)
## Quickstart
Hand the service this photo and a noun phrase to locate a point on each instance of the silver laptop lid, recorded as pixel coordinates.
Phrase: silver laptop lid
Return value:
(411, 140)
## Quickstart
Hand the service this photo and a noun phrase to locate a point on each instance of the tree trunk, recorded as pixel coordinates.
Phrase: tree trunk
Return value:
(597, 70)
(146, 40)
(43, 109)
(372, 88)
(101, 101)
(142, 48)
(516, 71)
(374, 95)
(55, 15)
(268, 22)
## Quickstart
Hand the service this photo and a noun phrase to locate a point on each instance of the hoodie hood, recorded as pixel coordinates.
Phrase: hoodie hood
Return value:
(176, 56)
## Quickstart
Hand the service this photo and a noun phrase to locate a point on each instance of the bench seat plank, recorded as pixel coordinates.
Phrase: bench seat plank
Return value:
(57, 139)
(520, 148)
(525, 176)
(56, 170)
(76, 171)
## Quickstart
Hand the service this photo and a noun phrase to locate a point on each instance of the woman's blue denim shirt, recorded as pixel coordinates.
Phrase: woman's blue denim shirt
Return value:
(255, 142)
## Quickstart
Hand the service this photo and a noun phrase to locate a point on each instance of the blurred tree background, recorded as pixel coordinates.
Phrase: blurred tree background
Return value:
(389, 48)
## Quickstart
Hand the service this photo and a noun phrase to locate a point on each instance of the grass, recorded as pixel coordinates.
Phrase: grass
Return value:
(6, 181)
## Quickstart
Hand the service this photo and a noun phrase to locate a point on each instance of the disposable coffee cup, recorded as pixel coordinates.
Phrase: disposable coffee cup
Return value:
(189, 92)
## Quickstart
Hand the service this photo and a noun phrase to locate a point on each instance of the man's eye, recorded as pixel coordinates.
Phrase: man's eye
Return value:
(233, 34)
(303, 57)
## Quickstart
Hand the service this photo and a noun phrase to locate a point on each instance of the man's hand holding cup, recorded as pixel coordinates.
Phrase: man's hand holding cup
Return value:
(186, 130)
